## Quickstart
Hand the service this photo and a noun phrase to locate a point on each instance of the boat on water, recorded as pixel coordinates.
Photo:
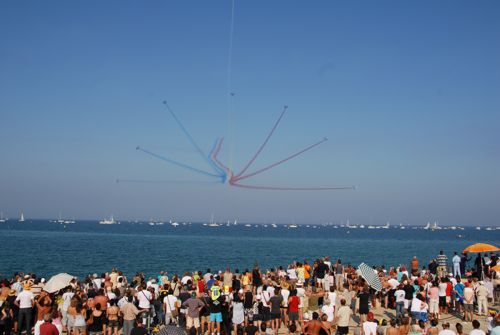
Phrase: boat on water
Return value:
(2, 219)
(21, 219)
(108, 222)
(293, 226)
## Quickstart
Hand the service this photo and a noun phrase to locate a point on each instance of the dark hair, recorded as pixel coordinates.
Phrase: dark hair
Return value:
(459, 328)
(475, 324)
(434, 322)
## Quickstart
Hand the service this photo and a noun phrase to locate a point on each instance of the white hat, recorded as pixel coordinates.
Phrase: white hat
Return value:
(300, 283)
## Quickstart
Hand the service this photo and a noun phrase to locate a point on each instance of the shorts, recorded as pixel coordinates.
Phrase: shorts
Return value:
(113, 323)
(215, 317)
(266, 314)
(433, 306)
(469, 307)
(342, 330)
(80, 328)
(275, 316)
(193, 322)
(293, 316)
(442, 301)
(416, 315)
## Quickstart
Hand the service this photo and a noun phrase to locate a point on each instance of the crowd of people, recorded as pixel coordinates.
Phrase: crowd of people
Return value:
(321, 297)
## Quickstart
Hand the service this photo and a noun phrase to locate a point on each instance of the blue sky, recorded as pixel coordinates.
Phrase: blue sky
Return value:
(406, 92)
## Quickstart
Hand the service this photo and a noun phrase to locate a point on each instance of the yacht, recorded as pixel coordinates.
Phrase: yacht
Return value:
(293, 226)
(110, 221)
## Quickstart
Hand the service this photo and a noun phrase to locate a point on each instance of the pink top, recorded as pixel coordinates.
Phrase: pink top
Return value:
(434, 292)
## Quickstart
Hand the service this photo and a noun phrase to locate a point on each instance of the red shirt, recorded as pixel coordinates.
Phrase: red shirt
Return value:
(449, 288)
(293, 305)
(47, 328)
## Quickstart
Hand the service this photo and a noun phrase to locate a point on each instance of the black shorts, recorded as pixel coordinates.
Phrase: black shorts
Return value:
(275, 316)
(442, 301)
(342, 330)
(266, 314)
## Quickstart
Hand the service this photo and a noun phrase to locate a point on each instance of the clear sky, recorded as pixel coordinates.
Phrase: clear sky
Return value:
(407, 92)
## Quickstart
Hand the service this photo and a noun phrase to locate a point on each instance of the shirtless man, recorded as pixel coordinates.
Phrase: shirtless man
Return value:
(392, 330)
(314, 326)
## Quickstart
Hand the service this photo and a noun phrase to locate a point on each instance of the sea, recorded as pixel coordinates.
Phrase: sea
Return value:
(46, 248)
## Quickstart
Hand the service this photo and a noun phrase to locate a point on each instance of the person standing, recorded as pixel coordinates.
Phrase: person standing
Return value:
(456, 265)
(343, 316)
(482, 299)
(442, 264)
(25, 300)
(47, 328)
(463, 262)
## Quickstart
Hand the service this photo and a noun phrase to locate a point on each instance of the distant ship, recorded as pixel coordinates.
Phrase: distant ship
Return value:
(110, 221)
(2, 219)
(21, 219)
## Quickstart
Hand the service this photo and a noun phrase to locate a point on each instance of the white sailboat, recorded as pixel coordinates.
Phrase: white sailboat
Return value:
(110, 221)
(2, 219)
(21, 219)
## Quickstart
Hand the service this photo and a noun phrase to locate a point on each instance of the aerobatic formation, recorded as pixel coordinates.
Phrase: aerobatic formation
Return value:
(221, 173)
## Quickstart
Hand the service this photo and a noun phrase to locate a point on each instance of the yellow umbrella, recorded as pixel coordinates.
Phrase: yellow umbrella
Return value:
(481, 247)
(495, 268)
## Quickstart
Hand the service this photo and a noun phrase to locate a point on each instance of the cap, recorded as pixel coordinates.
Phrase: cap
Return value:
(42, 280)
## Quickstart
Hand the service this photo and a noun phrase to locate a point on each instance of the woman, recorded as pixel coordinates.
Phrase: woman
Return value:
(77, 313)
(112, 314)
(6, 318)
(238, 318)
(404, 329)
(97, 321)
(364, 298)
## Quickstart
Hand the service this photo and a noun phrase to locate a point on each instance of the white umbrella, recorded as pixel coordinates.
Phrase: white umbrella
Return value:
(57, 282)
(371, 276)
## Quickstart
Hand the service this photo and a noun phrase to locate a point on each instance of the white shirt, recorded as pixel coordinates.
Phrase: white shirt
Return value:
(25, 299)
(144, 297)
(477, 332)
(185, 280)
(394, 283)
(400, 295)
(442, 289)
(369, 328)
(301, 293)
(285, 294)
(332, 296)
(292, 274)
(328, 310)
(456, 260)
(446, 332)
(169, 302)
(67, 296)
(416, 305)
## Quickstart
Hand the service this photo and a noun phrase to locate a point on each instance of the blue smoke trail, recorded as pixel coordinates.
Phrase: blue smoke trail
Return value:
(221, 173)
(179, 164)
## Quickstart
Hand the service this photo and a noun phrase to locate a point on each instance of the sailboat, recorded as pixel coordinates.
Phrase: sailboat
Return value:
(21, 219)
(2, 219)
(110, 221)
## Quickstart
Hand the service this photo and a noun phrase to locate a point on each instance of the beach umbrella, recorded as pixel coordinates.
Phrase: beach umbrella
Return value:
(481, 247)
(57, 282)
(371, 276)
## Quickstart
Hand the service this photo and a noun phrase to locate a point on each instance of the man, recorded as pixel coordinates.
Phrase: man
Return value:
(400, 301)
(442, 266)
(463, 262)
(456, 265)
(314, 326)
(343, 317)
(339, 274)
(139, 328)
(193, 305)
(275, 302)
(482, 299)
(47, 328)
(129, 312)
(468, 302)
(446, 329)
(479, 263)
(25, 301)
(476, 330)
(215, 307)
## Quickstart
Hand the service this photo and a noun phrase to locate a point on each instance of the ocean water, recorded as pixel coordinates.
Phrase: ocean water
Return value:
(86, 247)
